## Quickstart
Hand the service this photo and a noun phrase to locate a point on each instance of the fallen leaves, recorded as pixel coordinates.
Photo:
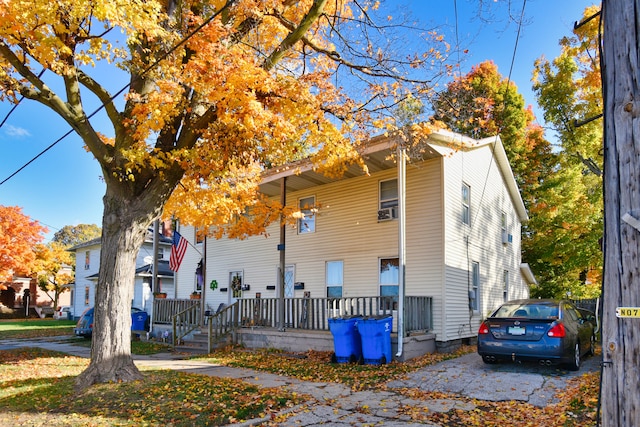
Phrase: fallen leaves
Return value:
(36, 388)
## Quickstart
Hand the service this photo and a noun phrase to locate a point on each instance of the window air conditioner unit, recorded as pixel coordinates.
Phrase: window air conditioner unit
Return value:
(506, 238)
(385, 214)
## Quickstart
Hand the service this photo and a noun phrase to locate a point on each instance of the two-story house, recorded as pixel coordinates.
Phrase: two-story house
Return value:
(457, 243)
(87, 273)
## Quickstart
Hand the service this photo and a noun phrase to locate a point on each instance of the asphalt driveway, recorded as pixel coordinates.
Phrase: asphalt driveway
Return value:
(469, 376)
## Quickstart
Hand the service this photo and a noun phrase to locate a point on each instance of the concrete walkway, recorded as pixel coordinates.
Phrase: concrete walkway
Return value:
(337, 405)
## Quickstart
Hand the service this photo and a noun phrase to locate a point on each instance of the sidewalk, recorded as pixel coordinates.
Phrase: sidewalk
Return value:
(331, 404)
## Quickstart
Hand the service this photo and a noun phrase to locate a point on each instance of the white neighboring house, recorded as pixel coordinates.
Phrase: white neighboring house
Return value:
(87, 272)
(463, 232)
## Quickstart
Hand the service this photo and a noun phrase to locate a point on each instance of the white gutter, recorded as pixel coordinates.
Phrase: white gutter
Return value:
(402, 175)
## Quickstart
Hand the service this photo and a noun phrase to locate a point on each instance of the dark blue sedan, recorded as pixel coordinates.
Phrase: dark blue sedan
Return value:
(551, 332)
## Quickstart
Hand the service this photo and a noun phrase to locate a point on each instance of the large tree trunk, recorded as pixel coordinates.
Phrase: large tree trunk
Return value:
(620, 337)
(124, 228)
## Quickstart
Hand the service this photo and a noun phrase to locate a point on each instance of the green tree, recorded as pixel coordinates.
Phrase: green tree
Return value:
(483, 104)
(54, 269)
(569, 253)
(71, 235)
(218, 91)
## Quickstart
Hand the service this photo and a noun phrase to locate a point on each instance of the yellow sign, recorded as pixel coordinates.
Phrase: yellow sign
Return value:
(628, 312)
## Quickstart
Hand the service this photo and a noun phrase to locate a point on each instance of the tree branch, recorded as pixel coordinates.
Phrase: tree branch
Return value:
(295, 35)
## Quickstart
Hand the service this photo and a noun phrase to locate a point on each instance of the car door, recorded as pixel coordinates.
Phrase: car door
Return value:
(582, 327)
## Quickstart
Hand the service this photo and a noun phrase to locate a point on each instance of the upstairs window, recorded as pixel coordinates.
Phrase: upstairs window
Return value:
(87, 260)
(307, 222)
(388, 200)
(466, 204)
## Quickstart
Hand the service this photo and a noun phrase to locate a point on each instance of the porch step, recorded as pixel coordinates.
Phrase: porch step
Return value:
(199, 341)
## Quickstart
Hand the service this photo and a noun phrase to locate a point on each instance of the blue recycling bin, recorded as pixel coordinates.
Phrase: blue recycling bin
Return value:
(139, 320)
(375, 333)
(346, 338)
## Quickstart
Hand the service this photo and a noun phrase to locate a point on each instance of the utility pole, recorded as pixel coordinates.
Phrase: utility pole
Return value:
(620, 398)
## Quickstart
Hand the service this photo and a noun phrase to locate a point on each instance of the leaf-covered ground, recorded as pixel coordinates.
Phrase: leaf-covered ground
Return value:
(576, 405)
(36, 389)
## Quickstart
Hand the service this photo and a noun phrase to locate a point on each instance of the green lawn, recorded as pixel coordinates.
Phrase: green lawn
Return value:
(34, 328)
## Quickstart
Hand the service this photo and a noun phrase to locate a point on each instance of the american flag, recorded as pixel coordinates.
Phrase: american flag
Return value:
(178, 249)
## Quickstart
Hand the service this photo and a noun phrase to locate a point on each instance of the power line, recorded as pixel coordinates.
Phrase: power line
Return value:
(145, 71)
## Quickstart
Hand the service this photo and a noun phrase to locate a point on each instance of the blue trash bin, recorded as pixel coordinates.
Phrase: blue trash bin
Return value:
(346, 338)
(139, 320)
(375, 333)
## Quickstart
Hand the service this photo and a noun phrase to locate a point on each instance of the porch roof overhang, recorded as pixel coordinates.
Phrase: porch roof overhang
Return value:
(378, 156)
(164, 272)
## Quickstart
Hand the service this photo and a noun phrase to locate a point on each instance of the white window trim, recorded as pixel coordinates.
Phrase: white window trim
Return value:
(381, 201)
(466, 204)
(475, 285)
(326, 277)
(313, 215)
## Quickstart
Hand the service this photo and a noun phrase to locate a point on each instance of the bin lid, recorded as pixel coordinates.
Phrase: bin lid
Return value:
(377, 317)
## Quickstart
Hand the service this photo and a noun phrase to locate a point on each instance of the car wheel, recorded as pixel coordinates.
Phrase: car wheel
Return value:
(574, 365)
(592, 345)
(489, 360)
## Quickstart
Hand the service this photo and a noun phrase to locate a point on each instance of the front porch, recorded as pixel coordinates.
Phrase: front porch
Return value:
(255, 322)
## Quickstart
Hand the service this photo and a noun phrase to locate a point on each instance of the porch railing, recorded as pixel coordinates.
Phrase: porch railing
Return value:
(222, 323)
(300, 313)
(165, 309)
(184, 322)
(314, 313)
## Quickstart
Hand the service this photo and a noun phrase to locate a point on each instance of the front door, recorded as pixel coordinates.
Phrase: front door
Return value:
(235, 286)
(289, 276)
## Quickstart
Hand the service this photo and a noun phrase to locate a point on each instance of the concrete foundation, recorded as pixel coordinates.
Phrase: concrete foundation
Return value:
(300, 341)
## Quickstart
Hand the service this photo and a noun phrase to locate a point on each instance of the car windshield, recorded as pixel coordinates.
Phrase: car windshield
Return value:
(535, 310)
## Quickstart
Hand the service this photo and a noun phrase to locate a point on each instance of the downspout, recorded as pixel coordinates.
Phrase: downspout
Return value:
(402, 175)
(281, 245)
(204, 278)
(154, 268)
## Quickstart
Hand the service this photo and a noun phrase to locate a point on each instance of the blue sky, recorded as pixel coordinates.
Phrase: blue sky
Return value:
(64, 186)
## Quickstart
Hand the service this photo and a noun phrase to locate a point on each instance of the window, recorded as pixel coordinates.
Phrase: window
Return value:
(466, 204)
(388, 204)
(160, 253)
(505, 285)
(200, 235)
(503, 228)
(87, 260)
(307, 223)
(334, 276)
(475, 286)
(389, 274)
(86, 295)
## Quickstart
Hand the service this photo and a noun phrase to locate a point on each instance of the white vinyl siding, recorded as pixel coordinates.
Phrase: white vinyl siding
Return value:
(476, 243)
(439, 249)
